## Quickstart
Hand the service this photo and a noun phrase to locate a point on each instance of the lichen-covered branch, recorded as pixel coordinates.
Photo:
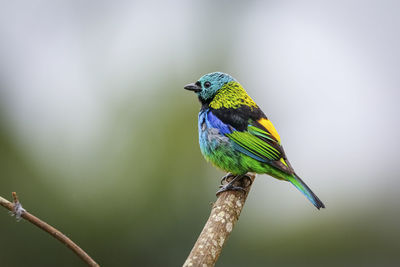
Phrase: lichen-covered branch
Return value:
(224, 214)
(18, 211)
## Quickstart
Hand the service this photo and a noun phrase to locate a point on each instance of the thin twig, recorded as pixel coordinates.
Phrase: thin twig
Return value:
(16, 208)
(224, 214)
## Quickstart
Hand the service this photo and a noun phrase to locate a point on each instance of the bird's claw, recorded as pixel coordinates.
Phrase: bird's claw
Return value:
(226, 177)
(244, 180)
(230, 188)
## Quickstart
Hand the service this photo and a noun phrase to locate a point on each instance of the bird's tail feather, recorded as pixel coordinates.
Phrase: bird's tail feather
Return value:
(299, 184)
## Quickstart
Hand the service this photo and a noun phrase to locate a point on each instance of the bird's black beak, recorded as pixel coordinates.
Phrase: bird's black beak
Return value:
(193, 87)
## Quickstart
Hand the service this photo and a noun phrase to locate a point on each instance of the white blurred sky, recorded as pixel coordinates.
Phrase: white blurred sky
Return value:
(326, 73)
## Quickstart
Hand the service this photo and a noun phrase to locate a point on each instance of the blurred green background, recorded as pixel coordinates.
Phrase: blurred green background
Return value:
(99, 138)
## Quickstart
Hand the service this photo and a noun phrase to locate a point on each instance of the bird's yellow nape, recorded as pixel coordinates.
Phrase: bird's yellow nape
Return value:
(270, 127)
(232, 95)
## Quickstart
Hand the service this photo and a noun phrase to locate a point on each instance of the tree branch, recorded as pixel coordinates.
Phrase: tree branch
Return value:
(224, 214)
(18, 211)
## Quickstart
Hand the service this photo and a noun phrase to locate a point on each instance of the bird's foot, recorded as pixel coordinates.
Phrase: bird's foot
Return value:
(246, 181)
(238, 183)
(227, 178)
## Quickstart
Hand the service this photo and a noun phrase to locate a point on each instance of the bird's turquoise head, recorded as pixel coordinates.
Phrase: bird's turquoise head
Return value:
(208, 85)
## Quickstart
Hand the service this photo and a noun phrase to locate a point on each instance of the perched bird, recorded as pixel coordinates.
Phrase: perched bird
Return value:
(237, 137)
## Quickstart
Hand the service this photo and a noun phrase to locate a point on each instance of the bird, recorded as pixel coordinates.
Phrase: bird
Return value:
(236, 136)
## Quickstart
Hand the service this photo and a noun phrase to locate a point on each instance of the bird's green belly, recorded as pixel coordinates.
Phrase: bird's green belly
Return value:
(235, 162)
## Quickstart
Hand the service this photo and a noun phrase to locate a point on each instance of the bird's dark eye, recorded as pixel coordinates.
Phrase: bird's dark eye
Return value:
(207, 84)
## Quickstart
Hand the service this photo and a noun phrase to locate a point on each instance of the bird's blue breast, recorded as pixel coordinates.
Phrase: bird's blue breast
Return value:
(212, 133)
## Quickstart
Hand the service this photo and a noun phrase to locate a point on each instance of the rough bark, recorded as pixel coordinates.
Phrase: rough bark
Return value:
(224, 214)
